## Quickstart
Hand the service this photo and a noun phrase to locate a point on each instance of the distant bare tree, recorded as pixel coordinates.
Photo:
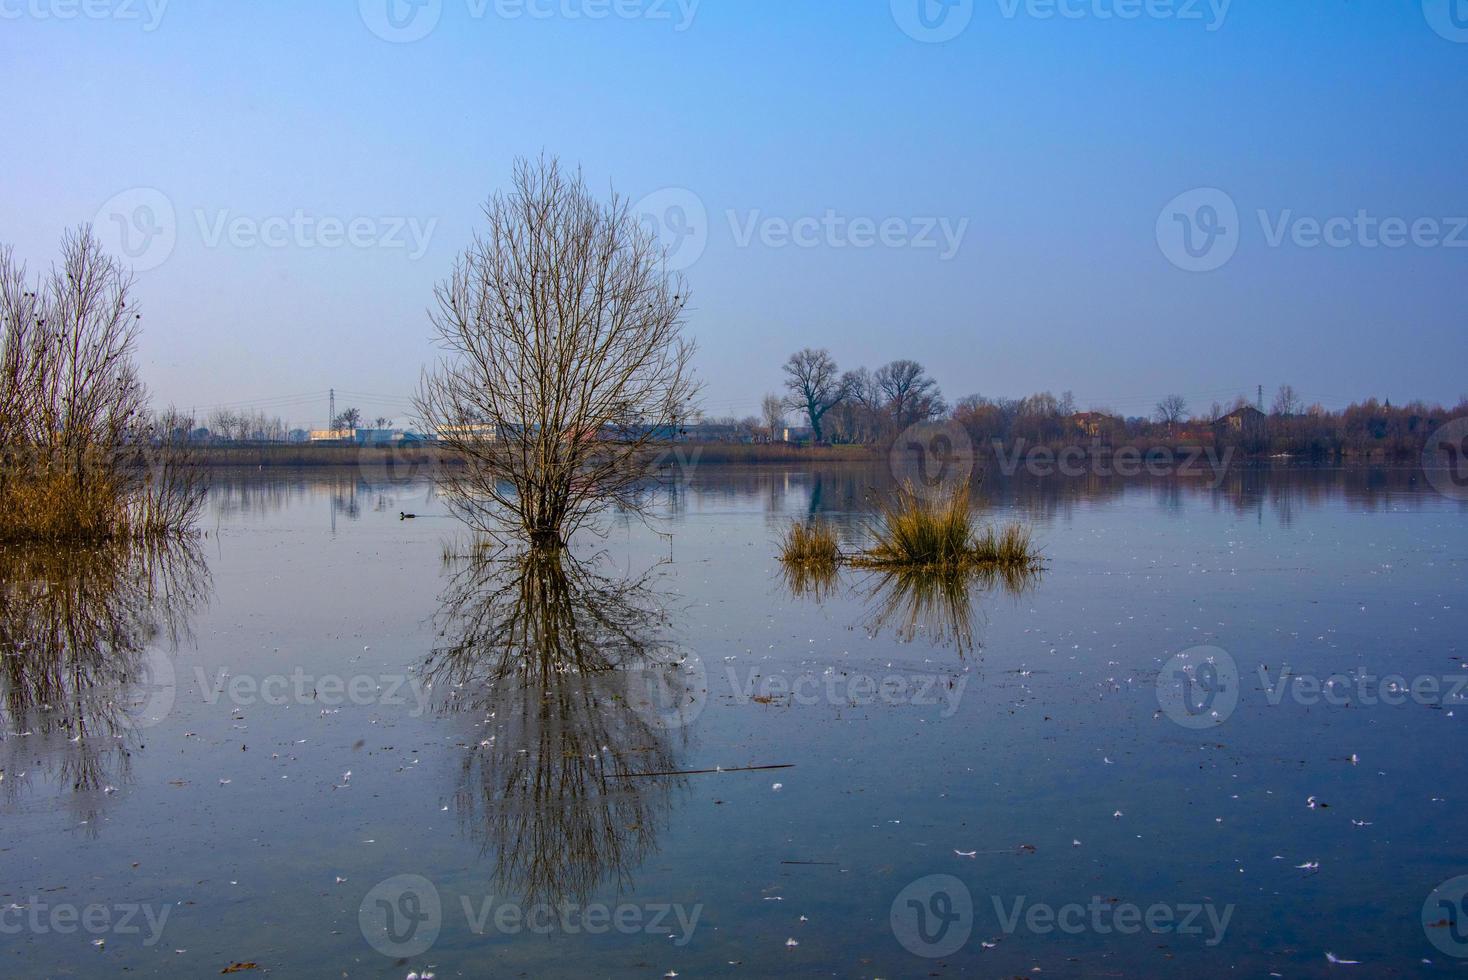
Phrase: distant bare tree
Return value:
(1286, 402)
(565, 359)
(349, 419)
(772, 412)
(912, 396)
(1172, 410)
(814, 384)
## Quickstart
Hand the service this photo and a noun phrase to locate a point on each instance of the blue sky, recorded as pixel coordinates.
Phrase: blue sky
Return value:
(1063, 147)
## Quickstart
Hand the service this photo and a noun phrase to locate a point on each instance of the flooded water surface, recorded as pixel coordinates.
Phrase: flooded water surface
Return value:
(1220, 734)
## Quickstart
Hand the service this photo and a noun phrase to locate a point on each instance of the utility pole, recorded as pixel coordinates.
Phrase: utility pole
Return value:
(1261, 398)
(331, 418)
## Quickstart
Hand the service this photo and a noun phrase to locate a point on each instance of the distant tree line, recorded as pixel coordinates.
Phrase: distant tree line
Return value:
(872, 407)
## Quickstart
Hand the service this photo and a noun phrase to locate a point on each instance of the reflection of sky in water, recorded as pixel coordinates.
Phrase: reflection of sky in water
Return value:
(237, 811)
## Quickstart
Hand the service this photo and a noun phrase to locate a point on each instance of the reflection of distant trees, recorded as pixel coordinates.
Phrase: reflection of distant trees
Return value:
(1246, 489)
(782, 491)
(549, 655)
(81, 630)
(257, 493)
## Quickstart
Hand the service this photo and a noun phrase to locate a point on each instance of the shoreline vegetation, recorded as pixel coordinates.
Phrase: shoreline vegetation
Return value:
(684, 454)
(914, 533)
(82, 459)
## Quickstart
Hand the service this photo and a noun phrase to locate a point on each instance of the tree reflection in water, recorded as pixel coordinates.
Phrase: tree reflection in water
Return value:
(941, 606)
(551, 656)
(85, 638)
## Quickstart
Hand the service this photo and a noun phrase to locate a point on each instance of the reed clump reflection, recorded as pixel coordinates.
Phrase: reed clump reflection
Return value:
(941, 605)
(86, 635)
(565, 778)
(915, 533)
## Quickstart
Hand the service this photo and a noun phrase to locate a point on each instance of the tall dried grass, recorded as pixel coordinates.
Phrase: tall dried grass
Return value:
(80, 458)
(915, 532)
(812, 543)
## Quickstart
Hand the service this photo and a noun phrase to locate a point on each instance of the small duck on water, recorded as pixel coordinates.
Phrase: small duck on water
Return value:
(407, 517)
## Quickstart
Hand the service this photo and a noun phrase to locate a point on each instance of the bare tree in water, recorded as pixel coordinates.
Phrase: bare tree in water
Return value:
(564, 359)
(80, 457)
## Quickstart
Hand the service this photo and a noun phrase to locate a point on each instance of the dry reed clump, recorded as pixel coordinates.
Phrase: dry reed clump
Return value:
(914, 532)
(80, 458)
(810, 543)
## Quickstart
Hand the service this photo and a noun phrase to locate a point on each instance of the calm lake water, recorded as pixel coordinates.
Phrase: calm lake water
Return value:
(312, 745)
